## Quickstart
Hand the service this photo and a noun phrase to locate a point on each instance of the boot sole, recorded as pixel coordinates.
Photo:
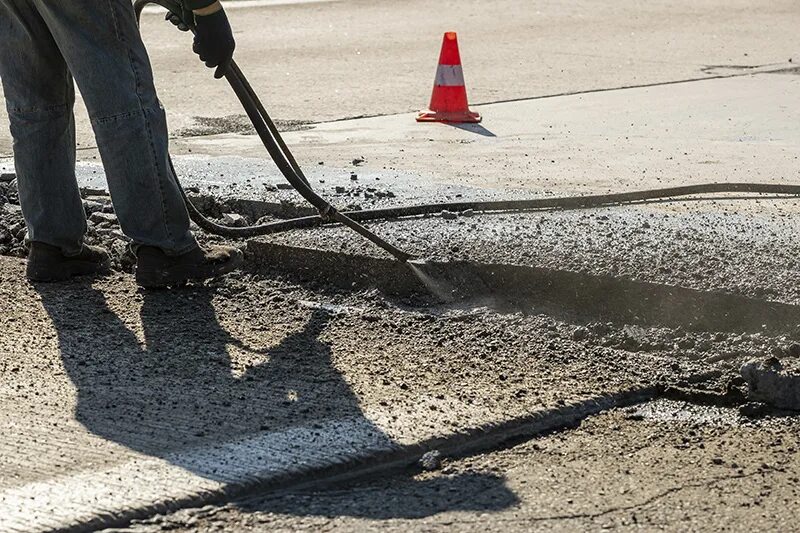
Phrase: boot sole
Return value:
(179, 275)
(66, 270)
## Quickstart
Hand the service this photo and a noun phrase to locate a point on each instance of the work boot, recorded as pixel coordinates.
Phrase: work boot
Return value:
(48, 263)
(155, 269)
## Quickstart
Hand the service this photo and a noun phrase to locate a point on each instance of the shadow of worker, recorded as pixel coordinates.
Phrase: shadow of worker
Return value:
(171, 382)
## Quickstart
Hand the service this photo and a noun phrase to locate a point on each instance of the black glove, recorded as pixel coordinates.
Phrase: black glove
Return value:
(178, 21)
(213, 41)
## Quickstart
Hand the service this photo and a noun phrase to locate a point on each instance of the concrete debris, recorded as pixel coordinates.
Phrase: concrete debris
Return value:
(771, 382)
(234, 219)
(284, 186)
(11, 191)
(449, 215)
(87, 192)
(102, 227)
(754, 409)
(12, 209)
(92, 206)
(12, 229)
(353, 176)
(793, 350)
(432, 460)
(581, 333)
(103, 219)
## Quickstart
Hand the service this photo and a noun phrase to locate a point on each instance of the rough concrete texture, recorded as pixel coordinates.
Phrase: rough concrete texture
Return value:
(773, 382)
(116, 403)
(663, 466)
(114, 385)
(701, 250)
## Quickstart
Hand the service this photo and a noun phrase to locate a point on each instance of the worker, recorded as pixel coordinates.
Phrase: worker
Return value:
(44, 45)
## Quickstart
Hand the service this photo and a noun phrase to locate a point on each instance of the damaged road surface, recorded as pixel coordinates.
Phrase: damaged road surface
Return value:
(630, 367)
(661, 466)
(329, 365)
(119, 404)
(326, 365)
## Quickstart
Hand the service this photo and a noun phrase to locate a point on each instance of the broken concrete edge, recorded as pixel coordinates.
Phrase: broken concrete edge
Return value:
(770, 382)
(216, 206)
(254, 210)
(381, 462)
(523, 287)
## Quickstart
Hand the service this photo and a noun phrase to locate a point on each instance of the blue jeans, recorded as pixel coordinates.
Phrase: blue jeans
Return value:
(44, 44)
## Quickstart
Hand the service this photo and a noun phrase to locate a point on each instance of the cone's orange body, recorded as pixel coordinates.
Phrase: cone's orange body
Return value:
(449, 99)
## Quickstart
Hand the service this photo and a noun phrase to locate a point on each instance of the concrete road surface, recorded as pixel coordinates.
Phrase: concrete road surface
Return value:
(327, 60)
(668, 466)
(117, 404)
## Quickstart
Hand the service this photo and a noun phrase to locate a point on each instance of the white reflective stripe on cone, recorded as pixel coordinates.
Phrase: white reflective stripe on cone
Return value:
(449, 76)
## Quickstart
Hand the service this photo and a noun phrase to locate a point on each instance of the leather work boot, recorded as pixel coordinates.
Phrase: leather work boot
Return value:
(155, 269)
(48, 263)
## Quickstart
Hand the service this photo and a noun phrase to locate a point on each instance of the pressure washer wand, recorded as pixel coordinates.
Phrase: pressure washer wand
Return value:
(275, 145)
(286, 163)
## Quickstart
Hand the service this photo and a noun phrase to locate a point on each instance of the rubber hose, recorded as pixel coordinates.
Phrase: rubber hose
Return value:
(533, 204)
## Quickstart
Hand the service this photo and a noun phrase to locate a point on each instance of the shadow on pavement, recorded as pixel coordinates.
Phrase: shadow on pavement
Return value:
(472, 128)
(395, 497)
(163, 380)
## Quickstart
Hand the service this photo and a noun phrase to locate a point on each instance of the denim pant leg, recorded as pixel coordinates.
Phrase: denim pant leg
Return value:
(39, 97)
(101, 44)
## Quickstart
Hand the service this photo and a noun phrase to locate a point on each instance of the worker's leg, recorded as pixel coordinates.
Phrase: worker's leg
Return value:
(101, 44)
(39, 98)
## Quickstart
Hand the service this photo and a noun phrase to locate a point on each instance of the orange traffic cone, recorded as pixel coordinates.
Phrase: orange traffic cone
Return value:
(449, 100)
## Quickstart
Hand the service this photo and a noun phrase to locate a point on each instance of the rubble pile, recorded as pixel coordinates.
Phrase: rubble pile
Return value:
(773, 381)
(12, 226)
(101, 221)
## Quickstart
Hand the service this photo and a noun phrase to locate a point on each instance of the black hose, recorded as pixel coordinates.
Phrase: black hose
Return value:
(280, 153)
(533, 204)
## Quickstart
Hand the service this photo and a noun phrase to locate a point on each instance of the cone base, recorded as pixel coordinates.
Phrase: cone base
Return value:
(460, 117)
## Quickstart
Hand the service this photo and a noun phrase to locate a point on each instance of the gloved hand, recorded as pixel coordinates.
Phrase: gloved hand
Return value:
(178, 21)
(213, 41)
